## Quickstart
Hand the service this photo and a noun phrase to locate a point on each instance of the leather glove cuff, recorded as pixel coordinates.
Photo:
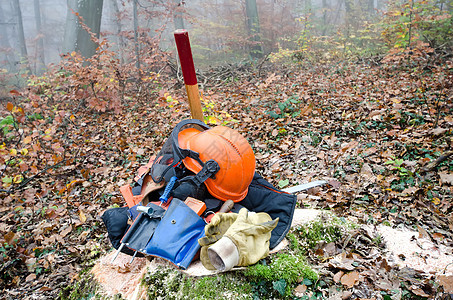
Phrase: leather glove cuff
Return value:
(224, 254)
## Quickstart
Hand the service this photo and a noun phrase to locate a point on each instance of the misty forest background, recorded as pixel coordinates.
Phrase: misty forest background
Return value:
(357, 92)
(34, 34)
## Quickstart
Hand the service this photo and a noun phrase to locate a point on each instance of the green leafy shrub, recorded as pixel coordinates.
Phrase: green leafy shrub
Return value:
(6, 124)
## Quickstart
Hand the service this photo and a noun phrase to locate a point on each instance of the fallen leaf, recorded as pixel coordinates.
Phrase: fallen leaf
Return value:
(66, 231)
(438, 131)
(11, 238)
(410, 190)
(446, 281)
(274, 132)
(422, 233)
(338, 276)
(300, 290)
(446, 177)
(350, 279)
(27, 140)
(317, 122)
(9, 106)
(342, 262)
(126, 268)
(349, 146)
(82, 216)
(438, 236)
(367, 173)
(346, 295)
(418, 291)
(30, 277)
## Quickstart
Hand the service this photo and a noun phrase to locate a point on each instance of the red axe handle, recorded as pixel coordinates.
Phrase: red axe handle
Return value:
(188, 72)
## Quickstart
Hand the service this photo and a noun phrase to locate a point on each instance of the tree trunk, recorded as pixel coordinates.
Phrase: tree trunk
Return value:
(7, 57)
(371, 7)
(40, 59)
(70, 34)
(121, 45)
(21, 35)
(137, 46)
(91, 12)
(253, 25)
(348, 18)
(325, 8)
(177, 16)
(76, 37)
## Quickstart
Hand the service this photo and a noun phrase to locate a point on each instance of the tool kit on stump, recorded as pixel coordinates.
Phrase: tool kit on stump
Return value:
(201, 197)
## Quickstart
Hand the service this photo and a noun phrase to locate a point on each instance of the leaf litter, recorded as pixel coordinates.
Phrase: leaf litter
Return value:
(380, 140)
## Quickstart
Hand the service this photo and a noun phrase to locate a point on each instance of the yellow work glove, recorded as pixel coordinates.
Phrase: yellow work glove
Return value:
(244, 243)
(214, 231)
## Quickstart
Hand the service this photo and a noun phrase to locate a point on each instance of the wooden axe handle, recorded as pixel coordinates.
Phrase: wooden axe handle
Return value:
(227, 206)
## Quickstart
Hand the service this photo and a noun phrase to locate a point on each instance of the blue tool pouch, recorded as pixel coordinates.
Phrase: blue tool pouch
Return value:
(176, 237)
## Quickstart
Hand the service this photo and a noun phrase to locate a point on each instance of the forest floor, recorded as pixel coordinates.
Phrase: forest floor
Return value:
(380, 133)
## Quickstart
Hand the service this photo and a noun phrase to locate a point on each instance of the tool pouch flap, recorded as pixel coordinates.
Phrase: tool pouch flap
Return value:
(176, 237)
(143, 228)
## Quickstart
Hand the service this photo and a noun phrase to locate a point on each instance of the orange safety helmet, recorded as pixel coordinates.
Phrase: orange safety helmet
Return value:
(232, 153)
(220, 157)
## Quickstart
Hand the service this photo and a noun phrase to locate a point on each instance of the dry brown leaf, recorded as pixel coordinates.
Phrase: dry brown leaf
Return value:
(349, 146)
(438, 236)
(350, 279)
(300, 290)
(317, 122)
(346, 295)
(342, 262)
(338, 276)
(422, 233)
(66, 231)
(11, 238)
(82, 216)
(418, 291)
(410, 190)
(446, 281)
(446, 178)
(274, 132)
(438, 131)
(126, 268)
(306, 110)
(30, 277)
(367, 173)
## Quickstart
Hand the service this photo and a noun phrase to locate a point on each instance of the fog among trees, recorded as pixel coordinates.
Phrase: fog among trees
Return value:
(36, 33)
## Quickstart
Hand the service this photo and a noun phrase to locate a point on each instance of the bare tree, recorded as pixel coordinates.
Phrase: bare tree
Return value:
(177, 16)
(40, 59)
(137, 45)
(76, 37)
(253, 26)
(21, 34)
(120, 39)
(7, 57)
(371, 7)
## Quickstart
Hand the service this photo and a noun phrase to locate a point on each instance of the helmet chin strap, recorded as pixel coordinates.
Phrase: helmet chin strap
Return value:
(210, 168)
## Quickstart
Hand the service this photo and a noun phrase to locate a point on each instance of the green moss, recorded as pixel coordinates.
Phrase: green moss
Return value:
(326, 228)
(83, 289)
(281, 275)
(168, 283)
